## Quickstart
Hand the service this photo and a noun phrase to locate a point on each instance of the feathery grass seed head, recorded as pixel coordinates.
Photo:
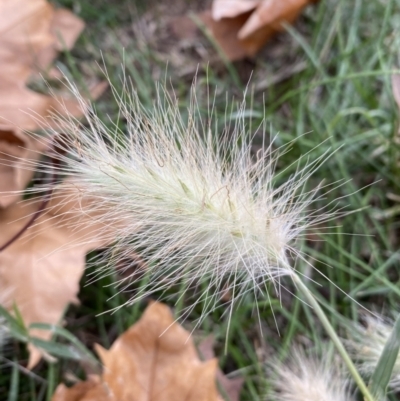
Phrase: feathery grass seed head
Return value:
(307, 378)
(366, 344)
(194, 204)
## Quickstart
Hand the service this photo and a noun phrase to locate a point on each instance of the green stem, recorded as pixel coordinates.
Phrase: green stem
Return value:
(334, 337)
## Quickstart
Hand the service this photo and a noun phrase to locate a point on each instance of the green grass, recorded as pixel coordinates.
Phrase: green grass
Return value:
(338, 57)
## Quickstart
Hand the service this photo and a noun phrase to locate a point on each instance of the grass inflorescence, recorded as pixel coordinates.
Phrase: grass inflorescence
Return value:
(337, 64)
(196, 206)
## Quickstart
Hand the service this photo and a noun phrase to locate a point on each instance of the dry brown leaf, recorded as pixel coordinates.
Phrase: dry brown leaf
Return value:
(28, 29)
(225, 33)
(42, 269)
(16, 149)
(80, 391)
(49, 256)
(31, 33)
(155, 360)
(65, 29)
(231, 387)
(24, 31)
(271, 13)
(232, 8)
(25, 109)
(241, 27)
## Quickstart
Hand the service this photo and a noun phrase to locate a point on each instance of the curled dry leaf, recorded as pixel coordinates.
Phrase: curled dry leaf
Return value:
(241, 27)
(41, 270)
(155, 360)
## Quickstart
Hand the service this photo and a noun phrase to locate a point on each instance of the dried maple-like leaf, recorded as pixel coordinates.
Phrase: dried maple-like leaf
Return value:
(41, 270)
(242, 27)
(65, 29)
(31, 33)
(155, 360)
(28, 29)
(24, 31)
(82, 391)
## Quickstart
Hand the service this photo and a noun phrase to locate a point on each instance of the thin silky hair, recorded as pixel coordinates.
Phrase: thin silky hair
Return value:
(307, 377)
(196, 204)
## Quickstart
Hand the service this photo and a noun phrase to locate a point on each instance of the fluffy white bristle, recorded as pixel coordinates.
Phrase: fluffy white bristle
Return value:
(307, 378)
(194, 204)
(366, 344)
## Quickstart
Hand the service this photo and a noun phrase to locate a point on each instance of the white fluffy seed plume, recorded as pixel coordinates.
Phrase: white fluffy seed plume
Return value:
(366, 344)
(307, 378)
(195, 204)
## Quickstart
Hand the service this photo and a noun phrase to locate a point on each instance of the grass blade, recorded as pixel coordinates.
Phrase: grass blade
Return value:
(383, 371)
(13, 390)
(15, 325)
(77, 346)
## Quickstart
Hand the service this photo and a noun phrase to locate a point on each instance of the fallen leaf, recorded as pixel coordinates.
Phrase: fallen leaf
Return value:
(232, 8)
(225, 33)
(242, 27)
(24, 109)
(16, 150)
(42, 269)
(271, 13)
(31, 34)
(50, 255)
(65, 29)
(80, 391)
(153, 360)
(28, 29)
(230, 387)
(24, 31)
